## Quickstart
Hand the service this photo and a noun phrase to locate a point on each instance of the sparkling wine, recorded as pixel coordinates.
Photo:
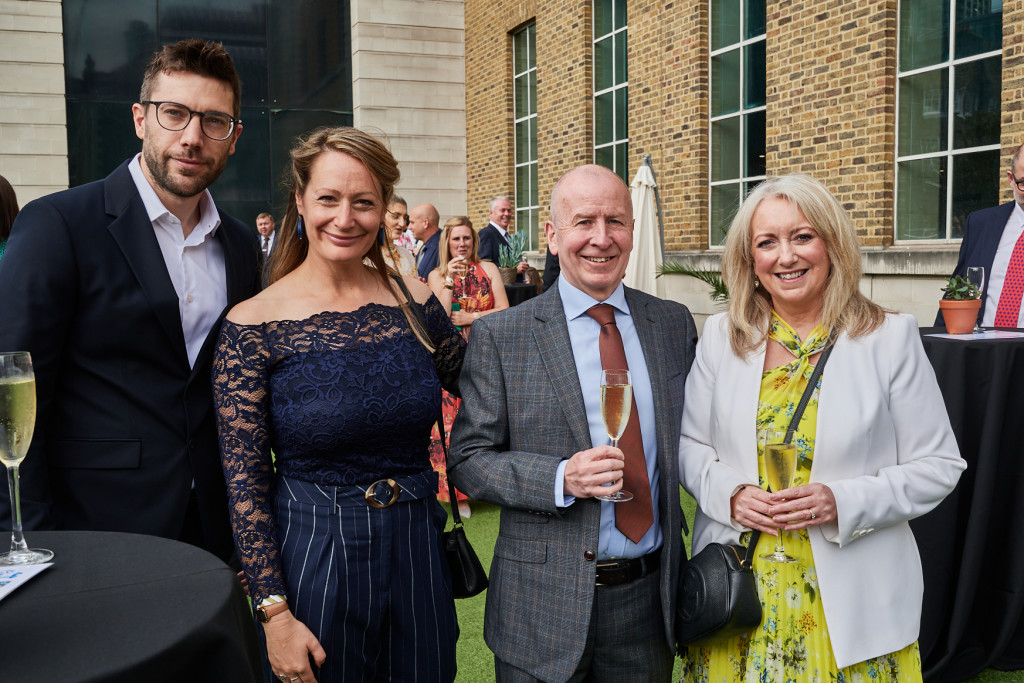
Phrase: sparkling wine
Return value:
(17, 418)
(779, 465)
(616, 402)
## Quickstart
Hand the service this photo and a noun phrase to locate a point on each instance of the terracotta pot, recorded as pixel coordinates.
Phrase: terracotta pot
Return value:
(508, 275)
(960, 316)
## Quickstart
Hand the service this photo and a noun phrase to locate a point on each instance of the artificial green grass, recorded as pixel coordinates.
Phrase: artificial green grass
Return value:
(476, 663)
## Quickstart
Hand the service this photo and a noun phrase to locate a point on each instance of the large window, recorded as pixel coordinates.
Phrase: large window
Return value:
(524, 95)
(293, 56)
(737, 106)
(948, 115)
(611, 132)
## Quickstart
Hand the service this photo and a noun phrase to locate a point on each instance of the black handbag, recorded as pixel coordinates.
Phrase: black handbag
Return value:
(717, 589)
(468, 575)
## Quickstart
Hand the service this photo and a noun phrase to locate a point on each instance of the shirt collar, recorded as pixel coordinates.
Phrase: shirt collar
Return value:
(503, 231)
(209, 217)
(576, 302)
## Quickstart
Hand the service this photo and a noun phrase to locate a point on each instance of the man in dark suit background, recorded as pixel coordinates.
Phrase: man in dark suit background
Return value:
(990, 236)
(118, 288)
(268, 238)
(580, 589)
(494, 235)
(423, 221)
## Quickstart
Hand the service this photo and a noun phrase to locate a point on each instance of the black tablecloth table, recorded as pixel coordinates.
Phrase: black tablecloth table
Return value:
(520, 292)
(127, 607)
(972, 544)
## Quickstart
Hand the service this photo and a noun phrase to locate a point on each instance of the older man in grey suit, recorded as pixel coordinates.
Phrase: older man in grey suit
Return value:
(580, 589)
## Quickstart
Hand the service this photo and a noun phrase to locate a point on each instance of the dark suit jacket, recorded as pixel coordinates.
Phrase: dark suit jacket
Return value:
(490, 242)
(428, 257)
(551, 270)
(522, 413)
(982, 232)
(124, 425)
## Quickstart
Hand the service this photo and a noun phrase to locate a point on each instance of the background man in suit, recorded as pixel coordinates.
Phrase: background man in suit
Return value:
(575, 594)
(990, 236)
(117, 288)
(423, 221)
(494, 235)
(265, 227)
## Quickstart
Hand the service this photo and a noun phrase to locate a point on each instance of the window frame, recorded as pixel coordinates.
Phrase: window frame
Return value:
(616, 142)
(532, 211)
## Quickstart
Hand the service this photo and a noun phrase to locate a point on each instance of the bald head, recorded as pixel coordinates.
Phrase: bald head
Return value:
(423, 221)
(591, 173)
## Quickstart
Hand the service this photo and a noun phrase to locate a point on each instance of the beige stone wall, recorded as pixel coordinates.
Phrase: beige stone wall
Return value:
(408, 82)
(33, 130)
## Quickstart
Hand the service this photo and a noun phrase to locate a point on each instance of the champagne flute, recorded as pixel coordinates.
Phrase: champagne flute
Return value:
(17, 422)
(976, 276)
(616, 405)
(779, 468)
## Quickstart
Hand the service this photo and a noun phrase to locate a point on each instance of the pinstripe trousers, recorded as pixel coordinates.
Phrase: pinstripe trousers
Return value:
(370, 583)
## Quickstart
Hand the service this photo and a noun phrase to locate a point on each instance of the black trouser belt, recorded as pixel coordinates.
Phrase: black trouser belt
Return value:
(618, 572)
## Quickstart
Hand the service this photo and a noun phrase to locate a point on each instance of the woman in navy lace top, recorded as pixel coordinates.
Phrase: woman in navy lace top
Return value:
(339, 531)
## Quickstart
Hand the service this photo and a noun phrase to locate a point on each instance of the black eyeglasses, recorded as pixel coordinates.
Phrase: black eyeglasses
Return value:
(215, 125)
(1018, 183)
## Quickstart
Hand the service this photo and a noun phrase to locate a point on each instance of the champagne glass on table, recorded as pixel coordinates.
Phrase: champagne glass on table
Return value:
(779, 468)
(616, 405)
(976, 276)
(17, 422)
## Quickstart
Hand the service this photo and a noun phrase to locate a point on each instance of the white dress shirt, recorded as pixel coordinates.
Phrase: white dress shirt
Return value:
(1008, 240)
(584, 332)
(195, 264)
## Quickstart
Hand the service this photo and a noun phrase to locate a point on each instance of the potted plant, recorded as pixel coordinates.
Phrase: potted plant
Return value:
(960, 303)
(510, 255)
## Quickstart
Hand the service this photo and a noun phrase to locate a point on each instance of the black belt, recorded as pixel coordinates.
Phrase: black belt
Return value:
(618, 572)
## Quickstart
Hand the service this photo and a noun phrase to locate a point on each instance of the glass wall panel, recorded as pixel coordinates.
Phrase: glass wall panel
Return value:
(975, 186)
(725, 199)
(725, 148)
(921, 203)
(523, 186)
(621, 55)
(107, 44)
(754, 16)
(109, 142)
(923, 113)
(755, 139)
(246, 187)
(604, 118)
(620, 14)
(725, 23)
(604, 63)
(924, 33)
(725, 83)
(522, 96)
(621, 113)
(525, 95)
(622, 161)
(755, 75)
(976, 95)
(605, 156)
(603, 17)
(979, 27)
(520, 55)
(309, 55)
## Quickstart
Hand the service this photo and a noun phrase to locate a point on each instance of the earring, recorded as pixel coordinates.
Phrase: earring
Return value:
(299, 229)
(757, 283)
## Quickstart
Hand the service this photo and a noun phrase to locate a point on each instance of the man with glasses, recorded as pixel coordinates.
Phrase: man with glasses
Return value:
(118, 288)
(994, 240)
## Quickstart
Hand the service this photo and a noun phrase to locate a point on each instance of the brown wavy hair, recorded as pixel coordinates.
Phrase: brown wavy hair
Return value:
(201, 57)
(8, 208)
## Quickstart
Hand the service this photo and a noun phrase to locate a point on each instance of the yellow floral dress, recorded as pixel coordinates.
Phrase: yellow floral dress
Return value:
(791, 645)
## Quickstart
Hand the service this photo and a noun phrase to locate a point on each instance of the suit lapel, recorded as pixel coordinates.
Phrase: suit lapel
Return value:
(133, 232)
(551, 336)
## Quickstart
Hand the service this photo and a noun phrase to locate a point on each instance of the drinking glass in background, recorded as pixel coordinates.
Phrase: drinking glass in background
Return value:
(976, 276)
(616, 405)
(17, 422)
(779, 470)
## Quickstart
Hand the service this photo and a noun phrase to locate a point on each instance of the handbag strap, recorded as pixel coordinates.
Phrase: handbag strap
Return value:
(794, 422)
(456, 517)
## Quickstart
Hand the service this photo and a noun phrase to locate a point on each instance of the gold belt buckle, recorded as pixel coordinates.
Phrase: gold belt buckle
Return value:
(371, 493)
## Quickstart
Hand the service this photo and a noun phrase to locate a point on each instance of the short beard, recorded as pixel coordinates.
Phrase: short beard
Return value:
(159, 170)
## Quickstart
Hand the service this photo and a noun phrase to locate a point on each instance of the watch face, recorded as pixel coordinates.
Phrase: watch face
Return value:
(261, 614)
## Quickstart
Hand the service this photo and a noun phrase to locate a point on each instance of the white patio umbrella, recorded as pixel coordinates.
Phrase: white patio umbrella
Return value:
(644, 262)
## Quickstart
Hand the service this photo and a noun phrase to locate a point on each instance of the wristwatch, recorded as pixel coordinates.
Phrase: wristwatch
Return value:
(449, 283)
(265, 612)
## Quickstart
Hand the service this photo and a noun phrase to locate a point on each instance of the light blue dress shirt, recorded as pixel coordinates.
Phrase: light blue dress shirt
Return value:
(583, 335)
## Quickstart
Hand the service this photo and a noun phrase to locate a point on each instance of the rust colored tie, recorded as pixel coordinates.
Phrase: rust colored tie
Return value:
(1008, 308)
(633, 518)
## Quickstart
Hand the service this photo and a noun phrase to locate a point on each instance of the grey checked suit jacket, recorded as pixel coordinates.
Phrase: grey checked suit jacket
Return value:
(522, 413)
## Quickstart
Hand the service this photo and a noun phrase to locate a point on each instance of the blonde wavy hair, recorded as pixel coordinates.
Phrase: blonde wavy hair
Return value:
(844, 308)
(443, 256)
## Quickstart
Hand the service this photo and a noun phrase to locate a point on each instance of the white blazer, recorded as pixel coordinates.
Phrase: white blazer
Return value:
(884, 447)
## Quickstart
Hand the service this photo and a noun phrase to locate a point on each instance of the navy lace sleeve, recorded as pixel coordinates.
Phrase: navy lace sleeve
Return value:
(240, 381)
(449, 345)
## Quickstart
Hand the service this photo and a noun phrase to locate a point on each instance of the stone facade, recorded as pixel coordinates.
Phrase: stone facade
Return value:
(831, 113)
(33, 130)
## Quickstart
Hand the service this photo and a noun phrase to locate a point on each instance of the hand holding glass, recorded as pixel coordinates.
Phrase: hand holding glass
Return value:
(976, 276)
(17, 422)
(779, 468)
(616, 405)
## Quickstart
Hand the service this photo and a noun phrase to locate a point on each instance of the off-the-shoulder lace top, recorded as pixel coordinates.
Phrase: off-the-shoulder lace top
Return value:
(341, 398)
